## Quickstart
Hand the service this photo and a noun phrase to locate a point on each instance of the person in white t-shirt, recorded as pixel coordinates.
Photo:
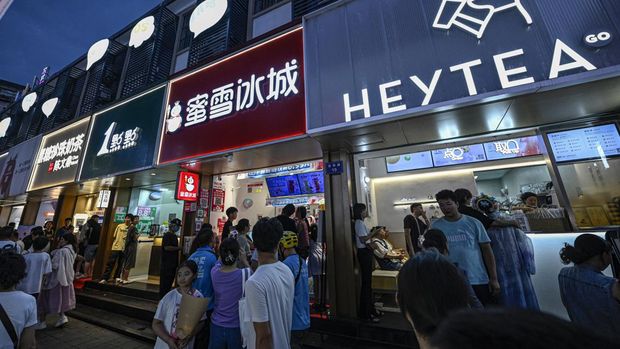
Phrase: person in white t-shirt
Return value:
(38, 266)
(270, 290)
(20, 308)
(164, 323)
(6, 233)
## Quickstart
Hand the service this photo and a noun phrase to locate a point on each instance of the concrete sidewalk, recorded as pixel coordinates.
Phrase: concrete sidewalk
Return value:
(79, 334)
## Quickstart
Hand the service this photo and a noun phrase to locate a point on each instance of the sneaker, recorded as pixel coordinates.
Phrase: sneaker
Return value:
(62, 320)
(40, 326)
(79, 276)
(103, 281)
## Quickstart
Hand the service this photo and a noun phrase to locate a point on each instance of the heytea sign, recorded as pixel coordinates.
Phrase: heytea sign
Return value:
(123, 138)
(59, 156)
(444, 51)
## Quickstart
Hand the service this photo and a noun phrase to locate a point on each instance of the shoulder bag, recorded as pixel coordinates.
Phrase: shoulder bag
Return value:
(8, 326)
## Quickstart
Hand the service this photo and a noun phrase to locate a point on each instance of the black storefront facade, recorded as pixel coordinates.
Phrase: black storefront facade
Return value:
(404, 92)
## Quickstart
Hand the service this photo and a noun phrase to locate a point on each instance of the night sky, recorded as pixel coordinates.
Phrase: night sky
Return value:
(39, 33)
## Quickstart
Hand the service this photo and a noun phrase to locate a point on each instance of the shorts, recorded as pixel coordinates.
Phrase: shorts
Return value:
(90, 252)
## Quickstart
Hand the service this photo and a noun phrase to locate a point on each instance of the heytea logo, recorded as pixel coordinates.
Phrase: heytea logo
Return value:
(472, 17)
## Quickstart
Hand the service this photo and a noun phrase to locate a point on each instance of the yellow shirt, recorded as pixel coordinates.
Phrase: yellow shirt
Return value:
(120, 234)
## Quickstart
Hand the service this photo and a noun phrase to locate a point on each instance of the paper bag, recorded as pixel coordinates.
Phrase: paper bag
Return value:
(192, 310)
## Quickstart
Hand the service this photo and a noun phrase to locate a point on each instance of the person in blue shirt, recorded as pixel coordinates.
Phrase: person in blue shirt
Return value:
(206, 259)
(591, 298)
(470, 247)
(301, 302)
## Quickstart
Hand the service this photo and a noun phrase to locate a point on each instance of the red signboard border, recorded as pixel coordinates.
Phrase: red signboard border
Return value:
(291, 136)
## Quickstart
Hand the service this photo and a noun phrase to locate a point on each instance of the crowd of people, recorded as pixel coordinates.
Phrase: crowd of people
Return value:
(463, 279)
(466, 279)
(36, 280)
(257, 287)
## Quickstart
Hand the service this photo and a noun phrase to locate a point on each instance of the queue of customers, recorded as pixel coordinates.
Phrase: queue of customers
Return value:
(36, 280)
(257, 287)
(472, 259)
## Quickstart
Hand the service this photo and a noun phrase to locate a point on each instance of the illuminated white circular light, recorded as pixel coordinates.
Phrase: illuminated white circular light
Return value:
(4, 126)
(96, 52)
(142, 31)
(206, 15)
(28, 101)
(49, 106)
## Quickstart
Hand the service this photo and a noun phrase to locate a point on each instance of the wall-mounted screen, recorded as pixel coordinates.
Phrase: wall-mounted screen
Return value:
(311, 183)
(283, 186)
(408, 162)
(459, 155)
(585, 143)
(513, 148)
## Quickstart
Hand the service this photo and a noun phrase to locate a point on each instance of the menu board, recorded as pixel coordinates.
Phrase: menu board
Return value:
(585, 143)
(283, 186)
(512, 148)
(459, 155)
(311, 183)
(408, 162)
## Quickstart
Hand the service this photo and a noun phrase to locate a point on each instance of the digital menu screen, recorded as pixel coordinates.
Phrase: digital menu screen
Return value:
(513, 148)
(311, 183)
(585, 143)
(283, 186)
(459, 155)
(408, 162)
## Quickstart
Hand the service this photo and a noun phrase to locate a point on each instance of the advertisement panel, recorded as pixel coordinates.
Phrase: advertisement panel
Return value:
(59, 155)
(255, 96)
(17, 168)
(188, 184)
(124, 138)
(399, 57)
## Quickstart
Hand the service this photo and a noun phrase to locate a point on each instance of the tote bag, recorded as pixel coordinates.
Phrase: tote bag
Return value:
(245, 317)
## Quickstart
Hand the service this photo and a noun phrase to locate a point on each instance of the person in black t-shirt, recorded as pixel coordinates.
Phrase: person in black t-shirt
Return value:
(285, 218)
(169, 257)
(231, 213)
(91, 237)
(415, 226)
(464, 197)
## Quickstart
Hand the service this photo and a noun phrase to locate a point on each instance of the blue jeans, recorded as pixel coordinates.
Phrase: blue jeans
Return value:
(225, 338)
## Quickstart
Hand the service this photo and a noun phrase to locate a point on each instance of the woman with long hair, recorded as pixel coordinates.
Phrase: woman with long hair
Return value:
(303, 231)
(58, 295)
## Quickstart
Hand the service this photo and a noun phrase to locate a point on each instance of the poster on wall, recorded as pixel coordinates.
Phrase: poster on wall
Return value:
(217, 204)
(188, 185)
(119, 214)
(15, 173)
(123, 138)
(59, 156)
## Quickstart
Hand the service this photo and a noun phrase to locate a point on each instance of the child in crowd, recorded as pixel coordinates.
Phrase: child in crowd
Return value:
(58, 295)
(38, 267)
(164, 323)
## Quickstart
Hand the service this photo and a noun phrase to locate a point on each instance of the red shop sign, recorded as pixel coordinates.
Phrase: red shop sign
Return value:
(187, 186)
(252, 97)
